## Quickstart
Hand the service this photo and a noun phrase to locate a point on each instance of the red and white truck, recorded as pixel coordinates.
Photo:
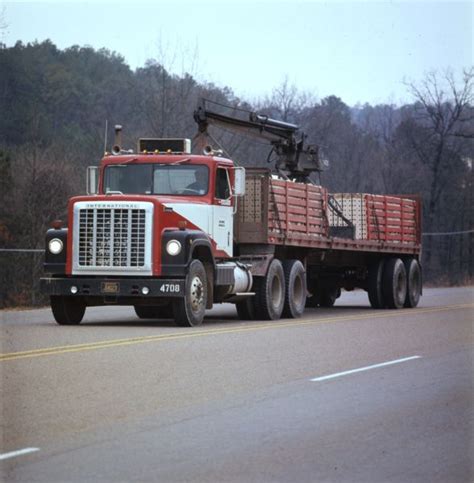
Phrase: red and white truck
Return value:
(172, 233)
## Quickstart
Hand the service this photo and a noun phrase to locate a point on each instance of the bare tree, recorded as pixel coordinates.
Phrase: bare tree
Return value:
(169, 89)
(3, 23)
(444, 117)
(286, 102)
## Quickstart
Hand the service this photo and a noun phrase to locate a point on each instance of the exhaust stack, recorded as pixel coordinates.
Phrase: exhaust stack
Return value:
(117, 147)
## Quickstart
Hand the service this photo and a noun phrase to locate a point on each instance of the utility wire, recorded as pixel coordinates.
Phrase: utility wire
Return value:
(21, 250)
(447, 233)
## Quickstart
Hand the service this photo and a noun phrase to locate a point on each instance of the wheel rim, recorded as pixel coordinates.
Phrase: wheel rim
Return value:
(197, 294)
(276, 292)
(415, 284)
(298, 292)
(401, 287)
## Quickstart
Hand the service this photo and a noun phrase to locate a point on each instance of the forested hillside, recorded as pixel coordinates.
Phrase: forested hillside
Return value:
(54, 105)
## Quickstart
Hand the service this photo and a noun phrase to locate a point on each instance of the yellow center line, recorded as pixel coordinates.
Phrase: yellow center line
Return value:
(188, 334)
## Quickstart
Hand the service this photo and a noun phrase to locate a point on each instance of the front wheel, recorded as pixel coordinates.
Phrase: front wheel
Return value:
(68, 310)
(189, 310)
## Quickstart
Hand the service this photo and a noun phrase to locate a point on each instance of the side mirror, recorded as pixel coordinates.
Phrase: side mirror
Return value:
(239, 181)
(92, 180)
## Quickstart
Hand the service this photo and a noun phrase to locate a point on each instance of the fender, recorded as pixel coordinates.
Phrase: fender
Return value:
(192, 241)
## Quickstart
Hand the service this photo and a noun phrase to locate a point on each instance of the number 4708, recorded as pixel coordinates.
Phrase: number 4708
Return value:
(170, 287)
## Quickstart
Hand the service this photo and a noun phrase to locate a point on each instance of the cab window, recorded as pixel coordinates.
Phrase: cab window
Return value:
(222, 184)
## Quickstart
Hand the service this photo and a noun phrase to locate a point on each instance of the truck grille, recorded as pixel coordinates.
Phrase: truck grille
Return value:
(112, 237)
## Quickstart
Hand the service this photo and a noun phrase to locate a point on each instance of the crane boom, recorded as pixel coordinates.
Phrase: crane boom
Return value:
(294, 159)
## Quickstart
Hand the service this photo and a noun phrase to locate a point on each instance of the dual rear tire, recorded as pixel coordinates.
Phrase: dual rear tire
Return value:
(394, 283)
(270, 292)
(281, 292)
(295, 289)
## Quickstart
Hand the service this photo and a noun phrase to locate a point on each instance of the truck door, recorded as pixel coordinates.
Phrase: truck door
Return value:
(222, 223)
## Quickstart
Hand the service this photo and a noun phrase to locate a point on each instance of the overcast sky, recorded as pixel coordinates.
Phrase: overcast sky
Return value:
(359, 51)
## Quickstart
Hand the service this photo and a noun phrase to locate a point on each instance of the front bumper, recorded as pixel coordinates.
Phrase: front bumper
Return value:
(114, 287)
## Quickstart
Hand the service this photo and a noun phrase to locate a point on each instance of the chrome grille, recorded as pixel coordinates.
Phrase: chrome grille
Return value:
(112, 236)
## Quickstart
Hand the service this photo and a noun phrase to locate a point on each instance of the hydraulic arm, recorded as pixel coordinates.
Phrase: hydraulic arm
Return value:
(294, 159)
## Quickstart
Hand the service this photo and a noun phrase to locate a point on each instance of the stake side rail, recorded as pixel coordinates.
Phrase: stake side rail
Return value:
(277, 212)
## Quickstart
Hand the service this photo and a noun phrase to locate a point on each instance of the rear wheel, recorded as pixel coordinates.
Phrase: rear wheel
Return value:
(270, 292)
(189, 310)
(295, 288)
(394, 285)
(154, 311)
(374, 288)
(68, 310)
(414, 282)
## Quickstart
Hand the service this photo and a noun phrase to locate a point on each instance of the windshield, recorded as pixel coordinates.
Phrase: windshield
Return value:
(157, 179)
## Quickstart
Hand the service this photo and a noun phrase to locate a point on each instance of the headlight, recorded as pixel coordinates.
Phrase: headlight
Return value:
(173, 247)
(55, 246)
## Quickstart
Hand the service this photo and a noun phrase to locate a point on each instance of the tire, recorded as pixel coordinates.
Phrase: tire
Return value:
(295, 289)
(414, 282)
(246, 309)
(374, 288)
(154, 311)
(270, 292)
(329, 296)
(68, 310)
(188, 311)
(394, 283)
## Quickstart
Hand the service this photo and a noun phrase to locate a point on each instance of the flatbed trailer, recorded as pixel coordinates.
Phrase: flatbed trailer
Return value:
(278, 212)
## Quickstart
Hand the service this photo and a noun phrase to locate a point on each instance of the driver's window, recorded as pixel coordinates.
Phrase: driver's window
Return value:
(222, 184)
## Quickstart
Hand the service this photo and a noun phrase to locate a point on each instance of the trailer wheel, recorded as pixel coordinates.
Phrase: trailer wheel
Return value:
(68, 310)
(270, 292)
(295, 289)
(394, 286)
(189, 310)
(154, 311)
(329, 296)
(246, 309)
(414, 282)
(374, 288)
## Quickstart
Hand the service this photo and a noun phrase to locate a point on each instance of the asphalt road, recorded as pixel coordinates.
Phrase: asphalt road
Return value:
(119, 399)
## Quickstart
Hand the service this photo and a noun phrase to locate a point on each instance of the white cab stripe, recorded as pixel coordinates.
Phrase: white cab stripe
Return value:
(361, 369)
(206, 218)
(20, 452)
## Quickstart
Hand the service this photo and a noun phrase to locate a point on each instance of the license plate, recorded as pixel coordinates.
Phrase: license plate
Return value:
(110, 287)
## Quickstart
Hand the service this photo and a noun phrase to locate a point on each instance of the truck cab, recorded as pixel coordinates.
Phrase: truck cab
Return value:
(133, 238)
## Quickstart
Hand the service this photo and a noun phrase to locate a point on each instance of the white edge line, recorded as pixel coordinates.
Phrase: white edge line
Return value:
(361, 369)
(20, 452)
